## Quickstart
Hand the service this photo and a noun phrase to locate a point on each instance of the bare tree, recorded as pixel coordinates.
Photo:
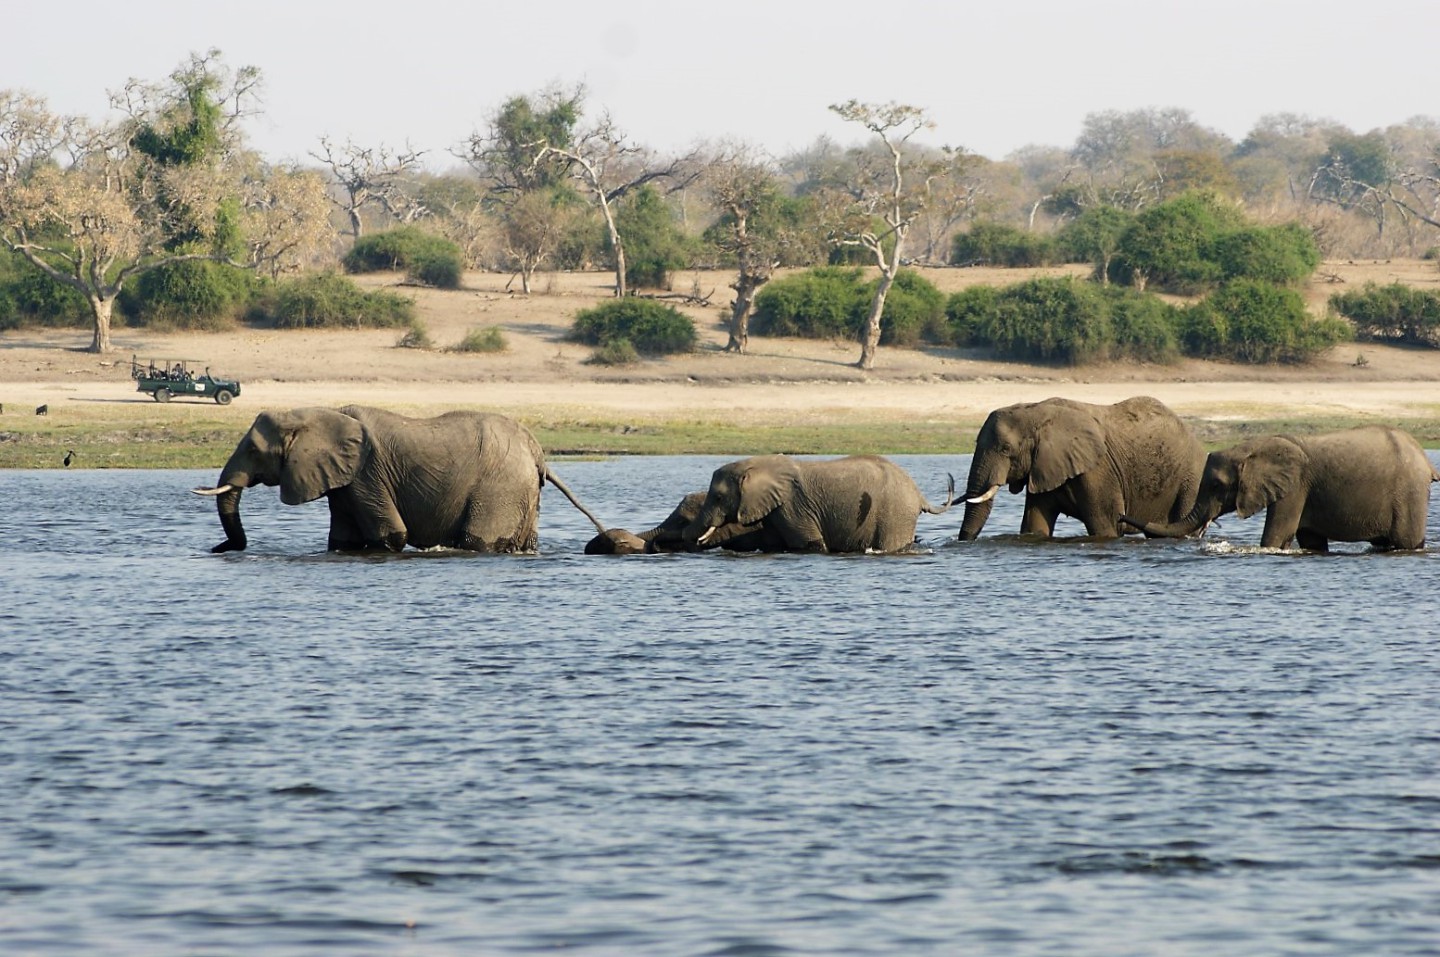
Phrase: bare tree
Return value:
(93, 206)
(745, 188)
(953, 191)
(879, 208)
(372, 176)
(608, 166)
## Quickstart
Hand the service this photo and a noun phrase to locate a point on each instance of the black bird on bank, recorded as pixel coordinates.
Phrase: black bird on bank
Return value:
(69, 457)
(42, 410)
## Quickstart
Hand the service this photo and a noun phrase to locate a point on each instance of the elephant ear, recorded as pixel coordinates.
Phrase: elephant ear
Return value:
(761, 491)
(1268, 473)
(322, 452)
(1068, 444)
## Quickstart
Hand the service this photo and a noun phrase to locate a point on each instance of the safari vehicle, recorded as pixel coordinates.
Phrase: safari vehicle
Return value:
(164, 378)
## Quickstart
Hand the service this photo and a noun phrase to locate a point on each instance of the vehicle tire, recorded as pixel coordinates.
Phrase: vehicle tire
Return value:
(162, 395)
(223, 397)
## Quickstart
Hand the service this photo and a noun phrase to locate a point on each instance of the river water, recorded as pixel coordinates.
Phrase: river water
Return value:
(997, 747)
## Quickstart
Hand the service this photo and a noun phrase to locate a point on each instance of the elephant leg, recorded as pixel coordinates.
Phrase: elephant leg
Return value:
(1311, 541)
(1039, 517)
(1282, 523)
(344, 532)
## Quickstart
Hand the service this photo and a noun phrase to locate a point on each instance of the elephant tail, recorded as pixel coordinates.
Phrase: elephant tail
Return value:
(950, 499)
(554, 480)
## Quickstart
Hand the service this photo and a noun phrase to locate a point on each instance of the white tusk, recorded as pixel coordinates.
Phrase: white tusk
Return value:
(982, 499)
(708, 532)
(212, 491)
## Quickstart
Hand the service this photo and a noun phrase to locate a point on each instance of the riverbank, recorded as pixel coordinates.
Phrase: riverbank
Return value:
(787, 395)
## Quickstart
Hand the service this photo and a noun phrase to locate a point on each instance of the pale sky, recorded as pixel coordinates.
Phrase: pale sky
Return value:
(994, 76)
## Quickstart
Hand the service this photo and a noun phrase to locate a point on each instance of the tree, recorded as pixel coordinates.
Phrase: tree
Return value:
(1094, 237)
(372, 176)
(879, 210)
(95, 206)
(529, 193)
(608, 166)
(746, 190)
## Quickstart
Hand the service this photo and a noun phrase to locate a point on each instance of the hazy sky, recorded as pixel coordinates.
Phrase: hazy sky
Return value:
(995, 75)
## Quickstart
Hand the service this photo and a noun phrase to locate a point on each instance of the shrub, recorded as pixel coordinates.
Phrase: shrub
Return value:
(651, 328)
(423, 256)
(654, 244)
(1064, 320)
(327, 300)
(1170, 245)
(415, 337)
(995, 244)
(616, 352)
(1283, 255)
(822, 303)
(1395, 313)
(1093, 237)
(1251, 321)
(969, 314)
(1145, 326)
(489, 339)
(28, 297)
(190, 294)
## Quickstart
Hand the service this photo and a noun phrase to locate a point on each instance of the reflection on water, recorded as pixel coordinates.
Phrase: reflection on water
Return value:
(1001, 746)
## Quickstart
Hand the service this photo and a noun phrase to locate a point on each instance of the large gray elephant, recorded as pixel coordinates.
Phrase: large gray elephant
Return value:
(1091, 462)
(861, 503)
(1369, 484)
(669, 535)
(466, 480)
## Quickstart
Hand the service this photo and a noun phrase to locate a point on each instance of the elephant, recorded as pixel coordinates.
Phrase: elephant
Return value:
(861, 503)
(668, 536)
(1091, 462)
(468, 480)
(1368, 484)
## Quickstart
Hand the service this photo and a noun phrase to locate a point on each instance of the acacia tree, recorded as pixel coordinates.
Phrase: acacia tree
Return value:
(608, 166)
(879, 209)
(95, 206)
(372, 176)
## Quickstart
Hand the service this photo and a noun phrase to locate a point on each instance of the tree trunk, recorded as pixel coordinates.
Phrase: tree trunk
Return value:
(745, 287)
(101, 307)
(615, 244)
(870, 343)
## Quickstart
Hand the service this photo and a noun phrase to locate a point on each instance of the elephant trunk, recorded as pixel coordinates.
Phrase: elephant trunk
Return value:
(1196, 520)
(233, 481)
(980, 491)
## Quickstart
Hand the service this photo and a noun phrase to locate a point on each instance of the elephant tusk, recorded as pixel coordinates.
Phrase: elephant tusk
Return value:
(212, 491)
(708, 532)
(982, 499)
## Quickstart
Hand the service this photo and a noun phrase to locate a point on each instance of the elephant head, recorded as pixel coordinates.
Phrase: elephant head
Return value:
(307, 452)
(1243, 479)
(669, 535)
(1036, 446)
(743, 493)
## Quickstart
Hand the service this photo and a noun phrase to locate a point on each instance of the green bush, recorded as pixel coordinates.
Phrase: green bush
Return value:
(651, 327)
(327, 300)
(1056, 320)
(822, 303)
(995, 244)
(969, 313)
(616, 352)
(1170, 245)
(1251, 321)
(489, 339)
(1283, 255)
(654, 244)
(1393, 313)
(190, 294)
(423, 256)
(28, 297)
(1145, 326)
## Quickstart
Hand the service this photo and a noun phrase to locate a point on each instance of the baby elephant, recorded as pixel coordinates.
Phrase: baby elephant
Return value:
(862, 503)
(1370, 484)
(669, 536)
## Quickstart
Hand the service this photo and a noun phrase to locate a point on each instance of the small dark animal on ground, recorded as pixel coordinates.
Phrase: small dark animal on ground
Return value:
(42, 410)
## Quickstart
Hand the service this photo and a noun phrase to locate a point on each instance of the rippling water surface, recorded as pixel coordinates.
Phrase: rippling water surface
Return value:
(998, 747)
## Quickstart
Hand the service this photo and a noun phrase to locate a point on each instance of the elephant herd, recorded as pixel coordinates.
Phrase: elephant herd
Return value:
(472, 481)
